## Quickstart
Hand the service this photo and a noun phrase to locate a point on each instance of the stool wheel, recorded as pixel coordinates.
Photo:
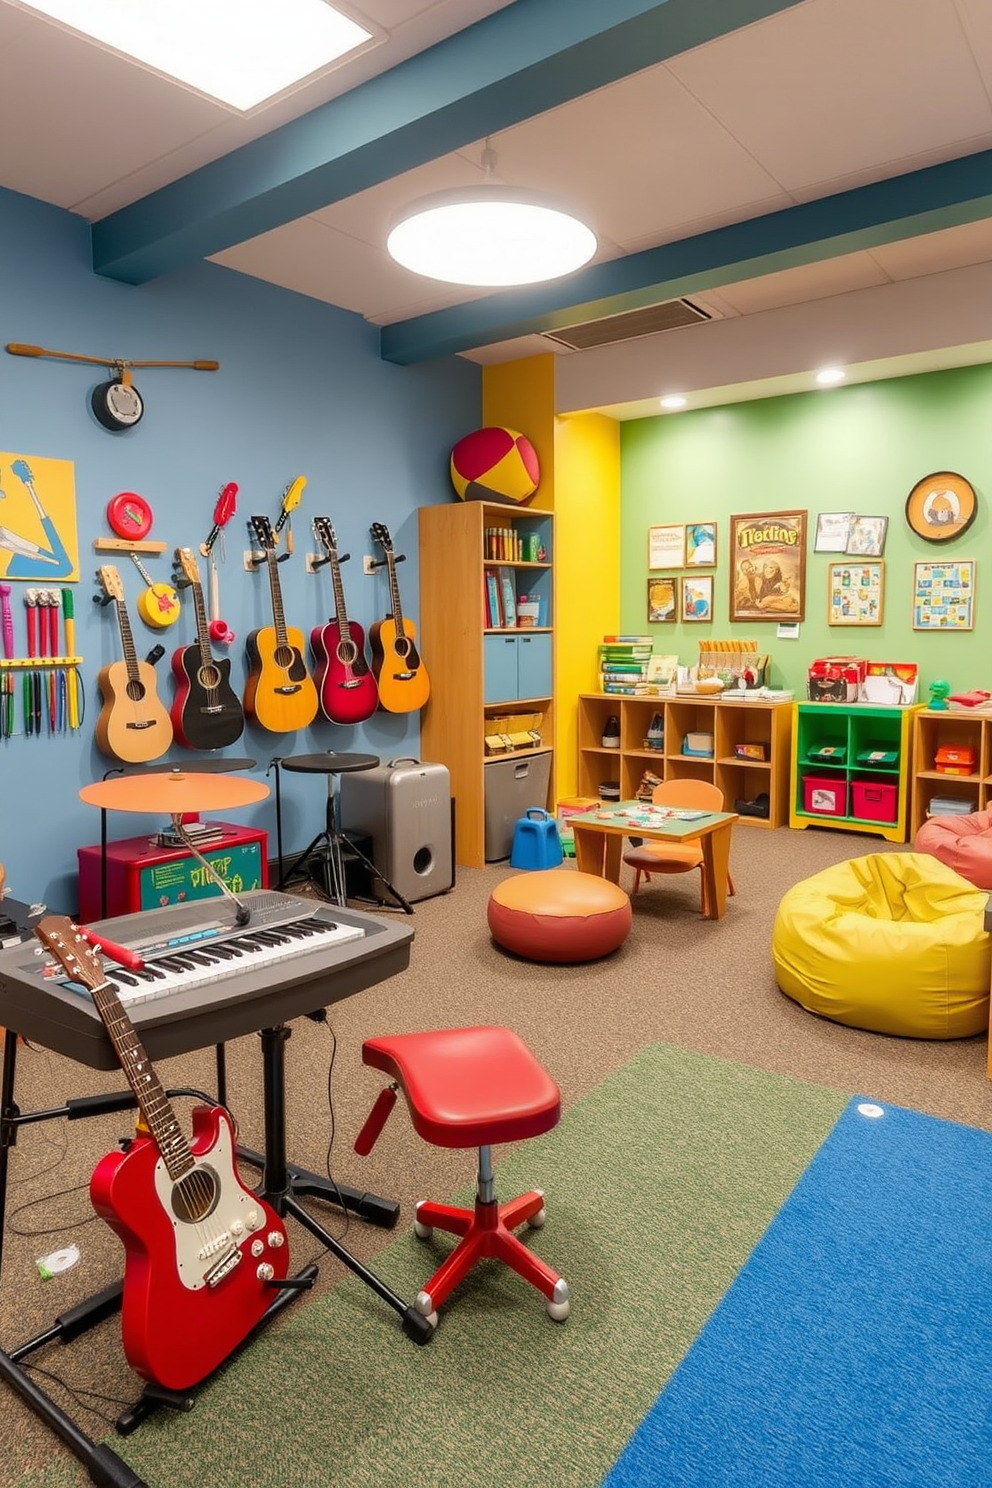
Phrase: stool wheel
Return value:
(422, 1231)
(425, 1306)
(537, 1221)
(558, 1305)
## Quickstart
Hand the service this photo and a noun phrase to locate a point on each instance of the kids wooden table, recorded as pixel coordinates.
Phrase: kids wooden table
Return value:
(599, 841)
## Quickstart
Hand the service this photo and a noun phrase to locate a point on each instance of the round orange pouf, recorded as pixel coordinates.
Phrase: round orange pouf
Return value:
(558, 914)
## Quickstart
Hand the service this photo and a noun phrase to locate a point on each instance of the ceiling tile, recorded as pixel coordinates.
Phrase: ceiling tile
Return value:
(836, 86)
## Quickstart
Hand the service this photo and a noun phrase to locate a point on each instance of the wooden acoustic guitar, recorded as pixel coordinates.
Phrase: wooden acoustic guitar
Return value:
(399, 671)
(133, 725)
(345, 684)
(280, 694)
(200, 1249)
(206, 712)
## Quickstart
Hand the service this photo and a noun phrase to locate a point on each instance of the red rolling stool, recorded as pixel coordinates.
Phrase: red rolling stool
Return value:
(471, 1087)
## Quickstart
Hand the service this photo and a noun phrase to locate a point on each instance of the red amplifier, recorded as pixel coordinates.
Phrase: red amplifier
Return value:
(143, 875)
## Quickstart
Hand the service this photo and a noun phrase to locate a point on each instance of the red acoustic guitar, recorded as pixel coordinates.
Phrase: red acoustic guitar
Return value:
(200, 1248)
(345, 685)
(399, 671)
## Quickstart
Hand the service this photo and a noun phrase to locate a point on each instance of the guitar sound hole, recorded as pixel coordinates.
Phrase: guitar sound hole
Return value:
(135, 690)
(347, 651)
(195, 1196)
(208, 677)
(283, 656)
(402, 645)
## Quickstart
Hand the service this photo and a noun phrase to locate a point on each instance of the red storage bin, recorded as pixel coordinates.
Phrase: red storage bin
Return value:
(824, 797)
(875, 800)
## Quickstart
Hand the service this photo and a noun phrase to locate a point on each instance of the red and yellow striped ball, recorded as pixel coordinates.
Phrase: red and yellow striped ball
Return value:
(495, 465)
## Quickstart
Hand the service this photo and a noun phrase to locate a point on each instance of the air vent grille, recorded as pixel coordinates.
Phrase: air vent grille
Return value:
(672, 315)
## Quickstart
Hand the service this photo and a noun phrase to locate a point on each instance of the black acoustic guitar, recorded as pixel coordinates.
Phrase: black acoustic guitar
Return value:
(206, 712)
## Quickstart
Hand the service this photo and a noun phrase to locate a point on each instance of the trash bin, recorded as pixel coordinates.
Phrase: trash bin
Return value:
(512, 786)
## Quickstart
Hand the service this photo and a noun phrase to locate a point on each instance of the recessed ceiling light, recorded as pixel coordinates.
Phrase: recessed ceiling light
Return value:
(829, 376)
(239, 51)
(673, 400)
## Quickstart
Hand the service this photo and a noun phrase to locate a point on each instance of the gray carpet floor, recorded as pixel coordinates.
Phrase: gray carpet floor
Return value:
(698, 985)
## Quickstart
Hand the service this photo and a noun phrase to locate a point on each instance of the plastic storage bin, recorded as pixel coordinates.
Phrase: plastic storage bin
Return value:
(512, 786)
(824, 797)
(875, 800)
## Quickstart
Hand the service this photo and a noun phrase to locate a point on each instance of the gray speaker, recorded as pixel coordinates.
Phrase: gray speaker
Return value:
(405, 807)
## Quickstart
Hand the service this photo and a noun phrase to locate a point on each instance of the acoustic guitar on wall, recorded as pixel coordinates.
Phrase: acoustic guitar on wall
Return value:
(280, 694)
(206, 712)
(399, 671)
(133, 725)
(345, 684)
(202, 1252)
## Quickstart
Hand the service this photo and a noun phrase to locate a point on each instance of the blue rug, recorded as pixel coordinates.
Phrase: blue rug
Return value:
(854, 1350)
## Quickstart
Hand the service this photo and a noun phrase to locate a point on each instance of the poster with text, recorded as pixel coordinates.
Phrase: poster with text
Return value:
(768, 566)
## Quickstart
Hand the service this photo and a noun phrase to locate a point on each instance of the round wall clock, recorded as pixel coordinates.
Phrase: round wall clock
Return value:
(117, 404)
(129, 515)
(941, 506)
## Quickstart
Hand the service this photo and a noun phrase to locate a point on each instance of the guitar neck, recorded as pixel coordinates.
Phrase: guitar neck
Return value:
(202, 628)
(153, 1102)
(278, 617)
(394, 594)
(340, 610)
(127, 642)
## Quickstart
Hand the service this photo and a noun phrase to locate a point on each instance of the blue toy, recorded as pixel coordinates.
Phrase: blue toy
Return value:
(536, 843)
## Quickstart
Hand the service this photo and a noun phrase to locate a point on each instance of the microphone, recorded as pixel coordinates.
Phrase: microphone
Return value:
(242, 915)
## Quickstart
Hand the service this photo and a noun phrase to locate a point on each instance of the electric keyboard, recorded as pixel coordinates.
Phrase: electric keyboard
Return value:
(206, 979)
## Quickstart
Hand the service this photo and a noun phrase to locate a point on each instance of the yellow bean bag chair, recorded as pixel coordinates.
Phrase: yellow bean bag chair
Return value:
(892, 942)
(964, 843)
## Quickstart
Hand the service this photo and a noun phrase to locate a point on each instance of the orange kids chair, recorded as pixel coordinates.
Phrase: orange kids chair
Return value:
(677, 857)
(471, 1087)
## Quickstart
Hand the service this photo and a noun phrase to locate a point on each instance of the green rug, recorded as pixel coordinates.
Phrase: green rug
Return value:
(659, 1183)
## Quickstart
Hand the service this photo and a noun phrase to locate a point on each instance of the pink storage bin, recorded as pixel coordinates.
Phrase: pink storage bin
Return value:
(823, 797)
(875, 800)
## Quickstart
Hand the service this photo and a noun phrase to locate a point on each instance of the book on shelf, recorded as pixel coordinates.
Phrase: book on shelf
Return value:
(494, 609)
(628, 640)
(508, 593)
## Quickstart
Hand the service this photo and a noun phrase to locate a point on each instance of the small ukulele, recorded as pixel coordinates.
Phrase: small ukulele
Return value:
(206, 712)
(399, 672)
(159, 604)
(345, 685)
(279, 694)
(133, 725)
(200, 1248)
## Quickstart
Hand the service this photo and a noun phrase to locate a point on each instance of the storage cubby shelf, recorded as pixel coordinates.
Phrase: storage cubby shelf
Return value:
(933, 729)
(836, 783)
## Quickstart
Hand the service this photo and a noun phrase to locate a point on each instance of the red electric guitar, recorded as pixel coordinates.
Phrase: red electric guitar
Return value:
(200, 1248)
(345, 685)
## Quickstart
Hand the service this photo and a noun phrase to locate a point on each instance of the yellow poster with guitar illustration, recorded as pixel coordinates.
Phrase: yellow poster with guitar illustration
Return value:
(38, 539)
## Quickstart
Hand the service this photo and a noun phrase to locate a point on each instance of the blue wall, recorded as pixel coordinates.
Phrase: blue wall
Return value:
(301, 390)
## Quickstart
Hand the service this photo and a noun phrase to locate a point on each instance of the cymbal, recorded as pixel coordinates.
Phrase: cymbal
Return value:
(175, 794)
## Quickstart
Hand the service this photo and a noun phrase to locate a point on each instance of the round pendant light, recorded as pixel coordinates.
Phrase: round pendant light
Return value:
(490, 235)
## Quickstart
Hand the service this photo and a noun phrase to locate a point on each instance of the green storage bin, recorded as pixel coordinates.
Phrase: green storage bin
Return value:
(878, 757)
(828, 754)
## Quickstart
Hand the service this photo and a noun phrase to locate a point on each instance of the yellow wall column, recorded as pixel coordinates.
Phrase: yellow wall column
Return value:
(579, 456)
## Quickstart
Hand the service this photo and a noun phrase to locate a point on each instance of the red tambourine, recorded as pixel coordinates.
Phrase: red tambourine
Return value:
(129, 515)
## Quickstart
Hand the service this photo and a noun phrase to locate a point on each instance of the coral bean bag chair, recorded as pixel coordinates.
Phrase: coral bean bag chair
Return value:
(892, 942)
(964, 843)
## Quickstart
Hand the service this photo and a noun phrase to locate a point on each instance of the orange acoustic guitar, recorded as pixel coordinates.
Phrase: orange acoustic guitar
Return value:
(404, 685)
(133, 725)
(280, 693)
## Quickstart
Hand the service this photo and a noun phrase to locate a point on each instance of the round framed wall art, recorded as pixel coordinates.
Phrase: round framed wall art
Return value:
(941, 506)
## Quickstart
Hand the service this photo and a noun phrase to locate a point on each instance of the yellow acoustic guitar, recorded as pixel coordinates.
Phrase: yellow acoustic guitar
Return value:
(280, 693)
(133, 725)
(400, 673)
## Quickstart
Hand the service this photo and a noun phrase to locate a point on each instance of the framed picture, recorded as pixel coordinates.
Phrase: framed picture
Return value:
(941, 506)
(832, 530)
(855, 593)
(700, 545)
(662, 595)
(666, 547)
(697, 597)
(944, 595)
(866, 538)
(768, 566)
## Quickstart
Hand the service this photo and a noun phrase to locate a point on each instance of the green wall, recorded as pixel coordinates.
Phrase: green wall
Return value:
(856, 449)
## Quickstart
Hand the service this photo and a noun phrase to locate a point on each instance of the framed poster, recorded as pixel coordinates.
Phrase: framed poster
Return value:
(697, 597)
(941, 506)
(700, 545)
(768, 566)
(666, 547)
(866, 538)
(855, 593)
(832, 531)
(661, 601)
(944, 595)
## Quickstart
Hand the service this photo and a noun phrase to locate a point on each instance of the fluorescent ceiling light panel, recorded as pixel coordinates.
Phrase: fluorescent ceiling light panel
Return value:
(239, 51)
